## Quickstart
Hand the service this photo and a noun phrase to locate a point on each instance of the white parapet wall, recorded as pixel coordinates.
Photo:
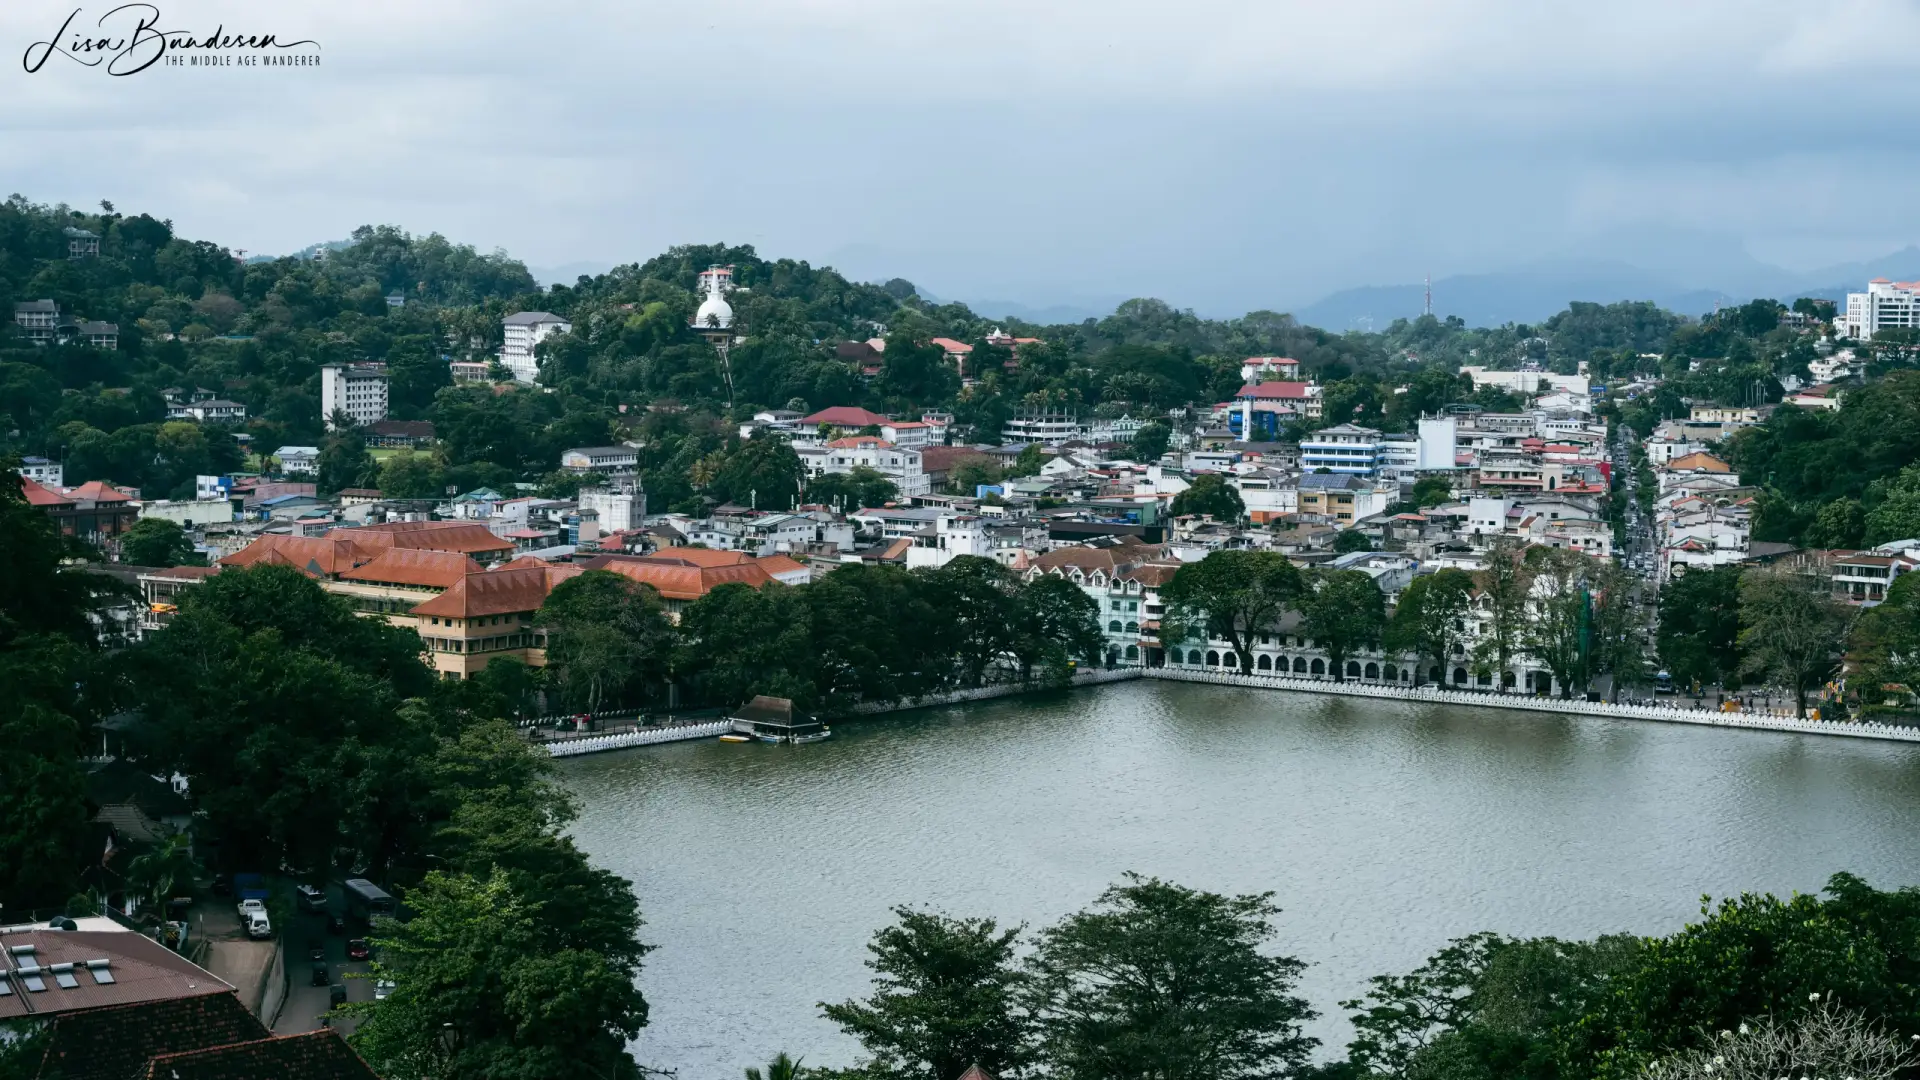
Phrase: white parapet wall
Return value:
(1663, 713)
(1671, 714)
(590, 744)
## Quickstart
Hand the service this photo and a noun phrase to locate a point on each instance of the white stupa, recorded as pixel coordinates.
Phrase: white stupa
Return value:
(714, 320)
(715, 313)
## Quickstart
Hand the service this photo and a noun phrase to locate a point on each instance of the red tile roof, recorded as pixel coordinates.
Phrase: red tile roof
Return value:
(776, 565)
(1272, 390)
(497, 592)
(694, 556)
(845, 416)
(312, 1055)
(326, 555)
(675, 579)
(96, 491)
(40, 495)
(116, 1041)
(413, 566)
(461, 536)
(953, 347)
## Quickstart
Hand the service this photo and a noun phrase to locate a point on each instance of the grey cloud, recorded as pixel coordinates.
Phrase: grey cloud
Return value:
(1220, 155)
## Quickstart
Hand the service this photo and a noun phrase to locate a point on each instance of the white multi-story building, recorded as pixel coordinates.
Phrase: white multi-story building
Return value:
(1886, 305)
(1399, 455)
(358, 390)
(1526, 382)
(1050, 428)
(37, 320)
(952, 536)
(619, 509)
(1439, 442)
(900, 464)
(298, 460)
(1259, 369)
(606, 460)
(523, 331)
(208, 410)
(914, 433)
(43, 472)
(1343, 448)
(1121, 429)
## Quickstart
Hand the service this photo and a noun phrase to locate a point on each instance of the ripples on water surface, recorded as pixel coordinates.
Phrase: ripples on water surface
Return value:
(1382, 828)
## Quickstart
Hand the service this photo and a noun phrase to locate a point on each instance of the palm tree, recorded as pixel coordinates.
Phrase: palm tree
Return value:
(781, 1067)
(158, 870)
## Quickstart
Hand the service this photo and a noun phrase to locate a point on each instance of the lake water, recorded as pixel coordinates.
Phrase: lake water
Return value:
(1383, 829)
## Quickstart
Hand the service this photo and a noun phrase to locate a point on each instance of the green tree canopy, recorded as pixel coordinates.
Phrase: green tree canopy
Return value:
(1157, 980)
(279, 689)
(1699, 633)
(1232, 595)
(479, 994)
(1209, 494)
(1151, 441)
(1055, 624)
(946, 997)
(608, 638)
(852, 490)
(1429, 622)
(51, 666)
(1343, 611)
(1790, 630)
(156, 541)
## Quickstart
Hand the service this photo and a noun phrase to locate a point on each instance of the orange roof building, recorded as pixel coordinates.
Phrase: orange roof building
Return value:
(681, 581)
(417, 567)
(464, 537)
(1699, 461)
(94, 511)
(486, 616)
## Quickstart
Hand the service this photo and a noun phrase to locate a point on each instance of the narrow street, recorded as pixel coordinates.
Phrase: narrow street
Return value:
(307, 1003)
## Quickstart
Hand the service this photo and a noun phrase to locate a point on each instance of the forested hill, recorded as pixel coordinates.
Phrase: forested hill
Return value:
(192, 314)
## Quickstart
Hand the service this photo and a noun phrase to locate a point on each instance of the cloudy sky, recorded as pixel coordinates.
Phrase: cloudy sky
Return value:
(1220, 155)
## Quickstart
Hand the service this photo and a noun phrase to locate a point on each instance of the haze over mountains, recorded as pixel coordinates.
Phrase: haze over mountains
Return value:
(1534, 292)
(1685, 273)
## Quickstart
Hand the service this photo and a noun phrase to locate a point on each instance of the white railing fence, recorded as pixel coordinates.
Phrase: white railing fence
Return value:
(1667, 713)
(589, 744)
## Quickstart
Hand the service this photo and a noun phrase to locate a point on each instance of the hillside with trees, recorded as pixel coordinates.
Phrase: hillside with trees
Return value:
(194, 315)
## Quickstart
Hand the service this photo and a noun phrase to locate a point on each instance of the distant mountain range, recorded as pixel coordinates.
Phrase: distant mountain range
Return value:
(1534, 293)
(1701, 271)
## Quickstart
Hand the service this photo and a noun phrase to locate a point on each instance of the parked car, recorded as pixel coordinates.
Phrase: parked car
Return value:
(311, 898)
(381, 988)
(253, 919)
(320, 976)
(358, 949)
